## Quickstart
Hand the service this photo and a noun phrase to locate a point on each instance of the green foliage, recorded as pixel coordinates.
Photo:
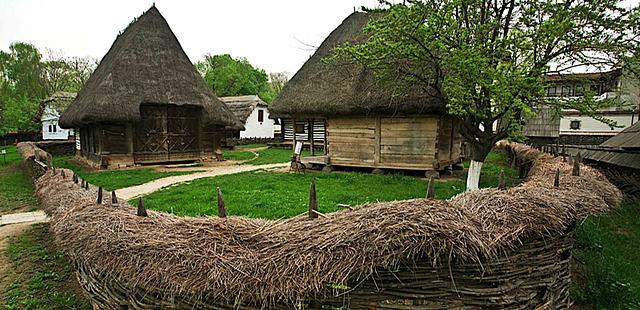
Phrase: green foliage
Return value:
(486, 60)
(608, 258)
(40, 275)
(26, 79)
(115, 179)
(276, 195)
(227, 76)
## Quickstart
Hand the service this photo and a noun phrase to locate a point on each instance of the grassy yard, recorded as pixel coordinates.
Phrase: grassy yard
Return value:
(114, 179)
(608, 260)
(276, 195)
(266, 156)
(41, 277)
(16, 188)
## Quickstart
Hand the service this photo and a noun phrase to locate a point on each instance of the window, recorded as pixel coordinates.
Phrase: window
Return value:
(575, 125)
(260, 116)
(299, 128)
(596, 88)
(55, 128)
(276, 121)
(578, 91)
(552, 91)
(566, 91)
(50, 129)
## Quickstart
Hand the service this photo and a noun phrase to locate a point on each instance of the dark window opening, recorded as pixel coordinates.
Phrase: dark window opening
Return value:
(552, 91)
(276, 121)
(260, 116)
(55, 128)
(299, 128)
(575, 125)
(50, 130)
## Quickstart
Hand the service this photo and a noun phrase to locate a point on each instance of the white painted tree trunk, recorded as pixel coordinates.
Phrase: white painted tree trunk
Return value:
(473, 176)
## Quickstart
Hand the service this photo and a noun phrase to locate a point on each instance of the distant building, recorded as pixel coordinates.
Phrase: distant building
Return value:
(253, 114)
(571, 127)
(51, 109)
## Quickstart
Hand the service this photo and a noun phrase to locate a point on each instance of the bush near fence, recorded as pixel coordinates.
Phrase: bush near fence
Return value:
(489, 248)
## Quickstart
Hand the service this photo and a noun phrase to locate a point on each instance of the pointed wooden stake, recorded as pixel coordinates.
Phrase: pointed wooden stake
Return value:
(313, 202)
(141, 210)
(502, 185)
(86, 184)
(576, 165)
(114, 199)
(222, 212)
(99, 200)
(62, 174)
(556, 181)
(431, 189)
(75, 178)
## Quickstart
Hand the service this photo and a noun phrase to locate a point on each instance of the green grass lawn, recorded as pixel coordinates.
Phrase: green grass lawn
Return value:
(40, 276)
(607, 256)
(12, 155)
(277, 195)
(115, 179)
(238, 155)
(16, 188)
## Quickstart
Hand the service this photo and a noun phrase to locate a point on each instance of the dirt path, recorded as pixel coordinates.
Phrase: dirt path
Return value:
(149, 187)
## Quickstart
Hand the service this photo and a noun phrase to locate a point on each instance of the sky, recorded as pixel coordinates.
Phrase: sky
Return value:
(277, 35)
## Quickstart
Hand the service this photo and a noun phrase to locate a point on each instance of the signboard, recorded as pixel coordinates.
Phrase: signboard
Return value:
(298, 148)
(3, 152)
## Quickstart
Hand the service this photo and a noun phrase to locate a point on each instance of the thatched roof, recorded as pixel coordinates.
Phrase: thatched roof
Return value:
(345, 88)
(145, 64)
(242, 106)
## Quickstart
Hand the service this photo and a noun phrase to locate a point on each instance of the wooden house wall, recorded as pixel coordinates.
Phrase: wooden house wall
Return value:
(423, 143)
(318, 129)
(544, 124)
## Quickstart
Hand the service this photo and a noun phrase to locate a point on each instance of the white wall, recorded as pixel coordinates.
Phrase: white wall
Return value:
(50, 128)
(591, 126)
(255, 129)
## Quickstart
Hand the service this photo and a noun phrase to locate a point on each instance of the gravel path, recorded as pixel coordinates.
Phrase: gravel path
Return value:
(149, 187)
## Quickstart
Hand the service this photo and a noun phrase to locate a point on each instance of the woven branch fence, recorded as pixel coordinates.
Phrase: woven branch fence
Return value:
(489, 248)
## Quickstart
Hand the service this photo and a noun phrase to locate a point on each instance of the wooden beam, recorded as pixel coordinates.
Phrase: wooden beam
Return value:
(311, 138)
(293, 130)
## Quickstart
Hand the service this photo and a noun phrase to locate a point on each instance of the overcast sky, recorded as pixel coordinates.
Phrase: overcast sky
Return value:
(276, 35)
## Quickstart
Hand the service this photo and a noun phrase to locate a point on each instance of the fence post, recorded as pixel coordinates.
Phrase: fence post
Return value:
(502, 185)
(576, 165)
(99, 195)
(313, 203)
(431, 189)
(141, 210)
(222, 212)
(556, 181)
(114, 199)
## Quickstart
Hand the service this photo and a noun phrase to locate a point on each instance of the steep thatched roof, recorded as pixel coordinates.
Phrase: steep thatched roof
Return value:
(242, 106)
(343, 87)
(145, 64)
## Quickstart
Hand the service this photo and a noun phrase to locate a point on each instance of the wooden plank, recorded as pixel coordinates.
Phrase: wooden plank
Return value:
(406, 140)
(404, 120)
(402, 158)
(353, 140)
(351, 131)
(377, 150)
(403, 149)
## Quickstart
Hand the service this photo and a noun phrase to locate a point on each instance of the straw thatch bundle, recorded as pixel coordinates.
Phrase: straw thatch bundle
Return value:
(488, 248)
(342, 87)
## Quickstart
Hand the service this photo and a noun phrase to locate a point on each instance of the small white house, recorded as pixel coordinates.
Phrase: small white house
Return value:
(51, 109)
(253, 113)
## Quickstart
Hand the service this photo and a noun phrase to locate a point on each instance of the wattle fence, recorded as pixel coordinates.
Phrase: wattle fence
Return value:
(491, 248)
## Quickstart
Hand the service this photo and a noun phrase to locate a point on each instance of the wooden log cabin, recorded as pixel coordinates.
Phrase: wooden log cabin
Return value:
(365, 123)
(146, 103)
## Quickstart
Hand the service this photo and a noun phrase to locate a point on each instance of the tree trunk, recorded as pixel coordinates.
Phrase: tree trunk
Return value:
(473, 176)
(480, 151)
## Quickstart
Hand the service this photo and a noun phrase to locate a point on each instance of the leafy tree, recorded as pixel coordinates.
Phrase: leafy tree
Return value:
(26, 79)
(233, 77)
(486, 59)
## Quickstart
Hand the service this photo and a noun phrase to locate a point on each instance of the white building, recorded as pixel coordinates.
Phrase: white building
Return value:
(571, 127)
(253, 113)
(51, 109)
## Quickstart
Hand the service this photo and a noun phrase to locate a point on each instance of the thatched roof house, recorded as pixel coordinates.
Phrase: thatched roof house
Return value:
(367, 123)
(146, 102)
(50, 110)
(252, 112)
